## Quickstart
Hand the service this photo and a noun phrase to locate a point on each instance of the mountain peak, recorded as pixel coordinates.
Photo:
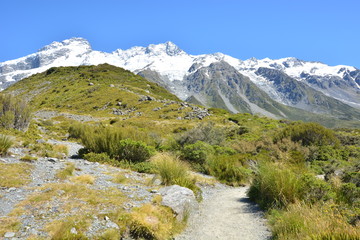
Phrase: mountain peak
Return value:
(75, 42)
(169, 48)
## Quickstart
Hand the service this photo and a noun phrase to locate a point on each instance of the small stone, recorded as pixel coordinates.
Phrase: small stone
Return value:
(53, 160)
(11, 189)
(157, 182)
(73, 231)
(106, 218)
(154, 191)
(9, 234)
(111, 85)
(91, 84)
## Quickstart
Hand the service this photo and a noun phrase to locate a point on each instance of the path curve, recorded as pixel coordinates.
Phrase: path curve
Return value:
(227, 214)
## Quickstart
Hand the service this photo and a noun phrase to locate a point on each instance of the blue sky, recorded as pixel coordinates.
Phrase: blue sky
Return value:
(317, 30)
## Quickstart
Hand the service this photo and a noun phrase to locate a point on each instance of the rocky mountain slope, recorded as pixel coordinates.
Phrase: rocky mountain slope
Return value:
(310, 86)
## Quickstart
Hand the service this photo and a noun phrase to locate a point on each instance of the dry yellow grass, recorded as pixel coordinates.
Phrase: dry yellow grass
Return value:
(153, 222)
(66, 172)
(85, 179)
(15, 174)
(8, 224)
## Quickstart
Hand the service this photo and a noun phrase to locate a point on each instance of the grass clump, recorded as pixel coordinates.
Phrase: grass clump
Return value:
(173, 171)
(15, 174)
(302, 221)
(14, 113)
(9, 224)
(5, 143)
(275, 185)
(66, 172)
(28, 158)
(153, 222)
(84, 179)
(61, 230)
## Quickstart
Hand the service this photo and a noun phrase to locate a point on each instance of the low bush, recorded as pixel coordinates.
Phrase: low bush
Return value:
(133, 151)
(205, 132)
(228, 169)
(5, 143)
(197, 152)
(308, 134)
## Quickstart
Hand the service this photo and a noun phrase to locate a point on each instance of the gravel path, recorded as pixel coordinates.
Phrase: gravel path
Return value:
(227, 213)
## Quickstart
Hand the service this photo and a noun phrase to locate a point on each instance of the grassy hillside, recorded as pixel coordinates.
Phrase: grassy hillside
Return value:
(304, 175)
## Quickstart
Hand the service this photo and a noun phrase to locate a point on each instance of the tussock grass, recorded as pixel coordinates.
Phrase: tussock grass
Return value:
(61, 149)
(9, 224)
(5, 143)
(120, 178)
(28, 158)
(153, 222)
(85, 179)
(61, 229)
(275, 185)
(317, 222)
(66, 172)
(173, 171)
(15, 174)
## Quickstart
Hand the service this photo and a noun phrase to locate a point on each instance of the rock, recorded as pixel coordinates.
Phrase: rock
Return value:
(110, 224)
(154, 191)
(40, 141)
(91, 84)
(53, 160)
(157, 109)
(180, 199)
(106, 218)
(157, 182)
(119, 104)
(111, 85)
(146, 98)
(9, 234)
(73, 231)
(11, 189)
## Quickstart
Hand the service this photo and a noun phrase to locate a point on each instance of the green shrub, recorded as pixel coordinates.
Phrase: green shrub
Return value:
(197, 152)
(228, 169)
(5, 144)
(308, 134)
(204, 132)
(350, 193)
(314, 190)
(134, 151)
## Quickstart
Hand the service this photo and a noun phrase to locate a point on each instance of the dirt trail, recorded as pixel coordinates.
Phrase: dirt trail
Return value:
(227, 214)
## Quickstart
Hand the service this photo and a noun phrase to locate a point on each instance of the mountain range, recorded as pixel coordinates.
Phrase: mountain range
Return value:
(282, 88)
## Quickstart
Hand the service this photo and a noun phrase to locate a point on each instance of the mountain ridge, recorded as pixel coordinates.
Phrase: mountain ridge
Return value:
(171, 67)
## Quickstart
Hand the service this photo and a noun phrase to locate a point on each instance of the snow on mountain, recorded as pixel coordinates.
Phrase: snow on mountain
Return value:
(172, 63)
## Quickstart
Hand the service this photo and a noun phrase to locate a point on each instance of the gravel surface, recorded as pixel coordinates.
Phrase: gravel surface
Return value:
(226, 213)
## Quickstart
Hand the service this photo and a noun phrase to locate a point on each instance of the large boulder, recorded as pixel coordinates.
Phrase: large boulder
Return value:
(180, 199)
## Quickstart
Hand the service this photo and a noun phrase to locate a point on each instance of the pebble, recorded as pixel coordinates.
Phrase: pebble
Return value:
(9, 234)
(73, 231)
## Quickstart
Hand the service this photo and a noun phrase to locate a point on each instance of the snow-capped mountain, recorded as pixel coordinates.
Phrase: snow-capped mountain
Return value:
(311, 86)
